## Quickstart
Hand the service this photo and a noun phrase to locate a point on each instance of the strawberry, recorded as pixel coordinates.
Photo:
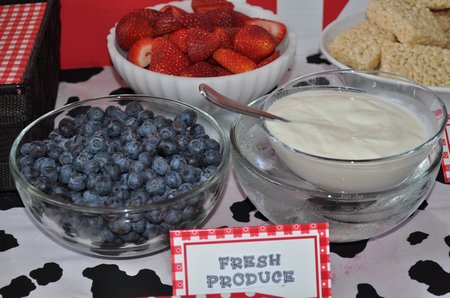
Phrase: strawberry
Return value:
(199, 69)
(150, 13)
(179, 38)
(254, 42)
(174, 10)
(277, 29)
(239, 19)
(166, 23)
(269, 59)
(221, 17)
(224, 37)
(221, 71)
(167, 57)
(140, 52)
(233, 61)
(201, 44)
(201, 6)
(132, 27)
(193, 20)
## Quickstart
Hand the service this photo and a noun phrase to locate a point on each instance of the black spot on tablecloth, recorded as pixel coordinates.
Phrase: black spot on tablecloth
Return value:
(79, 74)
(19, 287)
(10, 200)
(260, 216)
(367, 291)
(440, 177)
(423, 206)
(241, 211)
(109, 281)
(417, 237)
(348, 250)
(72, 99)
(317, 59)
(51, 272)
(122, 90)
(433, 275)
(447, 241)
(7, 241)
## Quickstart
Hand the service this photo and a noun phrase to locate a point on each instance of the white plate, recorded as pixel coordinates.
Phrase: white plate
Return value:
(342, 24)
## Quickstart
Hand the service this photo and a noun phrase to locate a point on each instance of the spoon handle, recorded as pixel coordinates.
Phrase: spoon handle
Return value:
(233, 105)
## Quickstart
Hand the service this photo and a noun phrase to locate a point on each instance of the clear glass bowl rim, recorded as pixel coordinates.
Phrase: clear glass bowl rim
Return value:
(36, 194)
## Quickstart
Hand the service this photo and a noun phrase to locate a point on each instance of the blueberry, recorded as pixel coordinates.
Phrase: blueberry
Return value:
(80, 161)
(119, 186)
(212, 144)
(28, 172)
(137, 166)
(173, 179)
(91, 166)
(54, 153)
(197, 130)
(188, 117)
(113, 202)
(190, 174)
(156, 186)
(132, 109)
(160, 165)
(95, 114)
(160, 121)
(211, 158)
(188, 213)
(177, 162)
(150, 144)
(144, 115)
(178, 127)
(60, 191)
(134, 180)
(139, 197)
(151, 231)
(183, 142)
(192, 159)
(37, 149)
(80, 120)
(91, 199)
(148, 174)
(77, 182)
(25, 161)
(51, 173)
(123, 163)
(112, 169)
(173, 217)
(154, 216)
(167, 133)
(114, 128)
(139, 226)
(102, 158)
(103, 184)
(25, 149)
(65, 172)
(96, 144)
(128, 135)
(132, 149)
(130, 237)
(113, 146)
(43, 162)
(167, 147)
(91, 127)
(105, 238)
(67, 127)
(91, 180)
(145, 158)
(147, 128)
(66, 158)
(42, 183)
(196, 146)
(185, 187)
(120, 226)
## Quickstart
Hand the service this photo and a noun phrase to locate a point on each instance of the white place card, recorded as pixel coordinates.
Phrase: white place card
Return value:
(283, 260)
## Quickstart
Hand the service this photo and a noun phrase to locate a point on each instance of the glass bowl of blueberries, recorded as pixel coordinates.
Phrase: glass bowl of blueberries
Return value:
(111, 176)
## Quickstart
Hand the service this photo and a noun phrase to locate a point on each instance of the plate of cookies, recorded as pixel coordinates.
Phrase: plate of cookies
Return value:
(410, 38)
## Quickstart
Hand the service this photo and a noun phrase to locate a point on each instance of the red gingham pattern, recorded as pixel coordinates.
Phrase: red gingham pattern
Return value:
(232, 295)
(19, 26)
(178, 237)
(446, 154)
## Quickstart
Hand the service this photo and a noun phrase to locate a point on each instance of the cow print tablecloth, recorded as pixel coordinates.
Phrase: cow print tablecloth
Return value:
(411, 261)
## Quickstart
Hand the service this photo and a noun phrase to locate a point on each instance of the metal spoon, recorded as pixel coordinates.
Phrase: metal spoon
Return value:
(222, 101)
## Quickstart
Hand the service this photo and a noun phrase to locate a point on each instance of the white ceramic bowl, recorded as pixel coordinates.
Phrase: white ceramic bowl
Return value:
(368, 175)
(243, 87)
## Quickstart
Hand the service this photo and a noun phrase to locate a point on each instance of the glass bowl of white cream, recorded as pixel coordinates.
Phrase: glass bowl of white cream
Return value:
(356, 214)
(349, 131)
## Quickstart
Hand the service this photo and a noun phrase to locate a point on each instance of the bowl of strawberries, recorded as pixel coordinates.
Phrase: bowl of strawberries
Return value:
(168, 50)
